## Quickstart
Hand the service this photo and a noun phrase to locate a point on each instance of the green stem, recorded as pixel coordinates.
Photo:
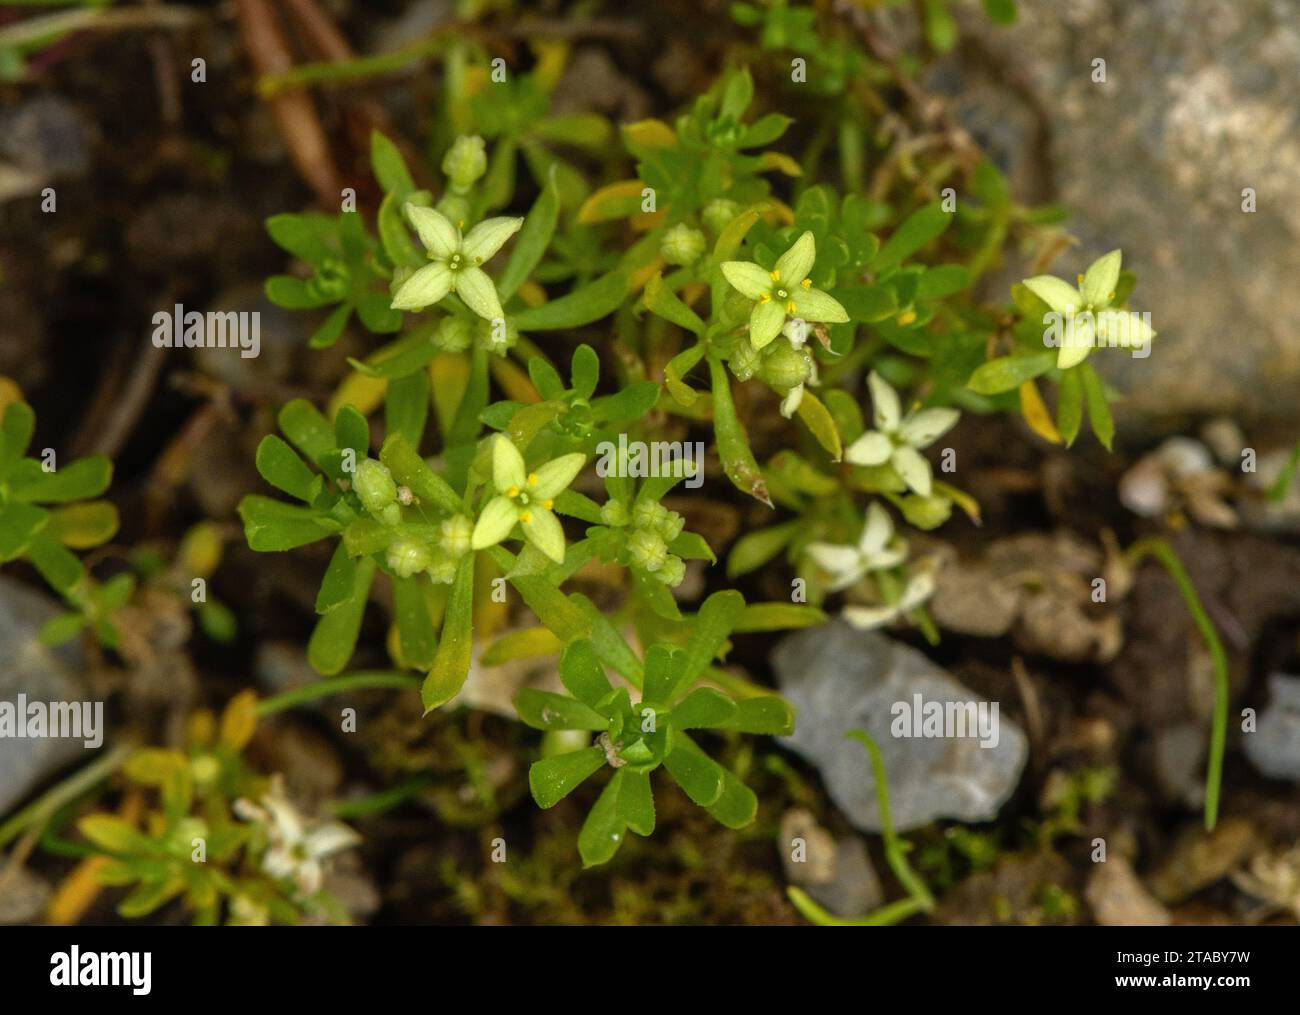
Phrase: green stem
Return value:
(40, 810)
(1164, 553)
(336, 685)
(883, 917)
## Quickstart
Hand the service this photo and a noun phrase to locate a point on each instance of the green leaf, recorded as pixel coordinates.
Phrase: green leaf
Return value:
(692, 546)
(766, 714)
(602, 833)
(584, 371)
(395, 237)
(1007, 373)
(406, 406)
(293, 293)
(303, 236)
(19, 522)
(699, 776)
(1001, 12)
(713, 624)
(778, 617)
(85, 525)
(307, 429)
(81, 480)
(16, 431)
(820, 424)
(1103, 424)
(636, 802)
(582, 675)
(1069, 406)
(552, 779)
(534, 237)
(661, 668)
(413, 472)
(524, 643)
(588, 303)
(945, 280)
(918, 229)
(58, 565)
(611, 647)
(284, 470)
(414, 625)
(389, 166)
(398, 359)
(546, 379)
(677, 368)
(754, 549)
(736, 806)
(451, 663)
(703, 708)
(271, 525)
(352, 431)
(331, 643)
(339, 581)
(628, 405)
(661, 300)
(543, 710)
(733, 444)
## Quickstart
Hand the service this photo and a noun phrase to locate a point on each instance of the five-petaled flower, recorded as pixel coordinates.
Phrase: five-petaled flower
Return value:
(525, 498)
(296, 849)
(1086, 314)
(455, 262)
(897, 439)
(784, 291)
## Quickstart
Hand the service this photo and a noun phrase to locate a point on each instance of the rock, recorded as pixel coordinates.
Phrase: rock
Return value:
(1197, 105)
(1199, 858)
(41, 673)
(840, 679)
(1119, 899)
(837, 875)
(1179, 762)
(42, 140)
(1037, 585)
(1274, 747)
(23, 896)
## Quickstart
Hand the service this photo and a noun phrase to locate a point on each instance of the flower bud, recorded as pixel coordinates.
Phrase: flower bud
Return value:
(454, 334)
(454, 207)
(744, 361)
(646, 514)
(718, 213)
(330, 281)
(784, 366)
(669, 525)
(455, 536)
(443, 570)
(465, 161)
(682, 245)
(408, 556)
(647, 550)
(673, 571)
(374, 485)
(615, 513)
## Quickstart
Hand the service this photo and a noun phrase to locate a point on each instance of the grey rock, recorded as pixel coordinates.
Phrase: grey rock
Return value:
(41, 140)
(1198, 104)
(838, 875)
(41, 673)
(840, 679)
(23, 896)
(1119, 899)
(1274, 747)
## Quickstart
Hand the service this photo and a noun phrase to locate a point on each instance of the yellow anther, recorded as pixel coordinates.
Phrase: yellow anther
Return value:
(526, 516)
(1078, 279)
(806, 283)
(548, 504)
(907, 317)
(1110, 297)
(765, 298)
(775, 276)
(532, 479)
(513, 492)
(790, 308)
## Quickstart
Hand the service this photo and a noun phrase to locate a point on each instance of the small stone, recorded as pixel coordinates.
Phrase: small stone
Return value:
(1198, 859)
(1119, 899)
(1274, 747)
(841, 679)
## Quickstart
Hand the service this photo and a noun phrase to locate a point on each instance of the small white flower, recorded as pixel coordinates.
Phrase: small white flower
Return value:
(296, 848)
(898, 439)
(918, 588)
(878, 548)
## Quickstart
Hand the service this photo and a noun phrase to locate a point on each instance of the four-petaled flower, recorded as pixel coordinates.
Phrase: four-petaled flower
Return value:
(295, 849)
(455, 262)
(918, 588)
(1087, 319)
(896, 439)
(525, 498)
(878, 548)
(784, 291)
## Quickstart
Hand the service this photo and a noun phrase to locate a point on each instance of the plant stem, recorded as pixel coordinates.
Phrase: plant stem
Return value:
(337, 685)
(1164, 553)
(69, 789)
